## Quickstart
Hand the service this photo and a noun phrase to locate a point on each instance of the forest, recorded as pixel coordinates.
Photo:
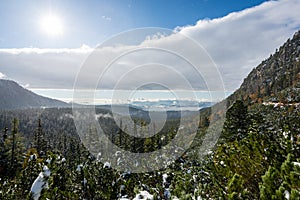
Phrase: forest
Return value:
(256, 157)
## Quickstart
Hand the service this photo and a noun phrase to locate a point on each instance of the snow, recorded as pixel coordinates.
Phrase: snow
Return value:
(296, 163)
(84, 181)
(285, 134)
(40, 183)
(99, 156)
(118, 153)
(47, 171)
(195, 178)
(107, 165)
(287, 194)
(79, 168)
(48, 161)
(32, 157)
(165, 176)
(209, 152)
(143, 195)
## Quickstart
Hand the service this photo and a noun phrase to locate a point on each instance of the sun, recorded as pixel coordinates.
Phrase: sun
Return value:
(52, 25)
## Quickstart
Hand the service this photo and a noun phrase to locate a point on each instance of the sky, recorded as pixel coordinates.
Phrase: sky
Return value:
(91, 22)
(48, 54)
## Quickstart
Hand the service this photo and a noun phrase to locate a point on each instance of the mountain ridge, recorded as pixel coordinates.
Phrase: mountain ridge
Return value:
(14, 96)
(276, 73)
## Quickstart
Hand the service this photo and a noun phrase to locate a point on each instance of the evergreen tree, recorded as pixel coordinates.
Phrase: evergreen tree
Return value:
(236, 124)
(39, 140)
(14, 150)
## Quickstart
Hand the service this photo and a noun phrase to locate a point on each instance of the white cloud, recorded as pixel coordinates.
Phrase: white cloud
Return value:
(241, 40)
(43, 68)
(106, 18)
(237, 43)
(2, 76)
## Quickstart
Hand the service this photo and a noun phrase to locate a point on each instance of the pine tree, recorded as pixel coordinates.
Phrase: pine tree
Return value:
(236, 125)
(14, 150)
(268, 185)
(39, 140)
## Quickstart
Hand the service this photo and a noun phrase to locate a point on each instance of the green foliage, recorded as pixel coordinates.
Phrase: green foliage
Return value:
(236, 125)
(39, 140)
(261, 161)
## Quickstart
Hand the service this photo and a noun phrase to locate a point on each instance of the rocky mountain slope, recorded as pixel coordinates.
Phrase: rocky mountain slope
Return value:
(279, 72)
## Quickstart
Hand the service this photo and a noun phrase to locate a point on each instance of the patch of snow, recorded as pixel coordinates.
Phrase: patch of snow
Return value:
(118, 153)
(143, 195)
(287, 194)
(195, 178)
(285, 134)
(84, 181)
(48, 161)
(107, 165)
(99, 156)
(32, 157)
(40, 183)
(78, 169)
(296, 163)
(164, 176)
(209, 152)
(47, 171)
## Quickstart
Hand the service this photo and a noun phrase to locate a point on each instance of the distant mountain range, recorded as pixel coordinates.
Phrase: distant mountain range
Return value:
(174, 105)
(13, 96)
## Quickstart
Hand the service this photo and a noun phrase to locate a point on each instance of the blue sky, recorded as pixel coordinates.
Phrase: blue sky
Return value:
(90, 22)
(237, 35)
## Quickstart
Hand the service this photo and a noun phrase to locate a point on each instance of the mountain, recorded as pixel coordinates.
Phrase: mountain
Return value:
(13, 96)
(275, 74)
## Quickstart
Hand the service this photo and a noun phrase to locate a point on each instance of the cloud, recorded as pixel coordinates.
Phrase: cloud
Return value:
(2, 76)
(236, 43)
(241, 40)
(43, 68)
(106, 18)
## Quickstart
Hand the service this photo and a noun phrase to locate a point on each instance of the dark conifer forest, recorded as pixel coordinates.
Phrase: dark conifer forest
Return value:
(257, 155)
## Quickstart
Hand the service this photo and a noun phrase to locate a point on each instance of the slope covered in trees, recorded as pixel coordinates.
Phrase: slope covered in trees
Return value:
(279, 72)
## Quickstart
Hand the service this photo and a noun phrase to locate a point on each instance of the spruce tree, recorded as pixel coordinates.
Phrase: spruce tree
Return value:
(236, 125)
(14, 149)
(39, 140)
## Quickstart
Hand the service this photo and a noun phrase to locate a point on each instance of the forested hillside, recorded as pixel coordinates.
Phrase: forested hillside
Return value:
(279, 72)
(13, 96)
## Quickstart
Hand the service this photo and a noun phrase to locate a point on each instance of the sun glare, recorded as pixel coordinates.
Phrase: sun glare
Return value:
(52, 25)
